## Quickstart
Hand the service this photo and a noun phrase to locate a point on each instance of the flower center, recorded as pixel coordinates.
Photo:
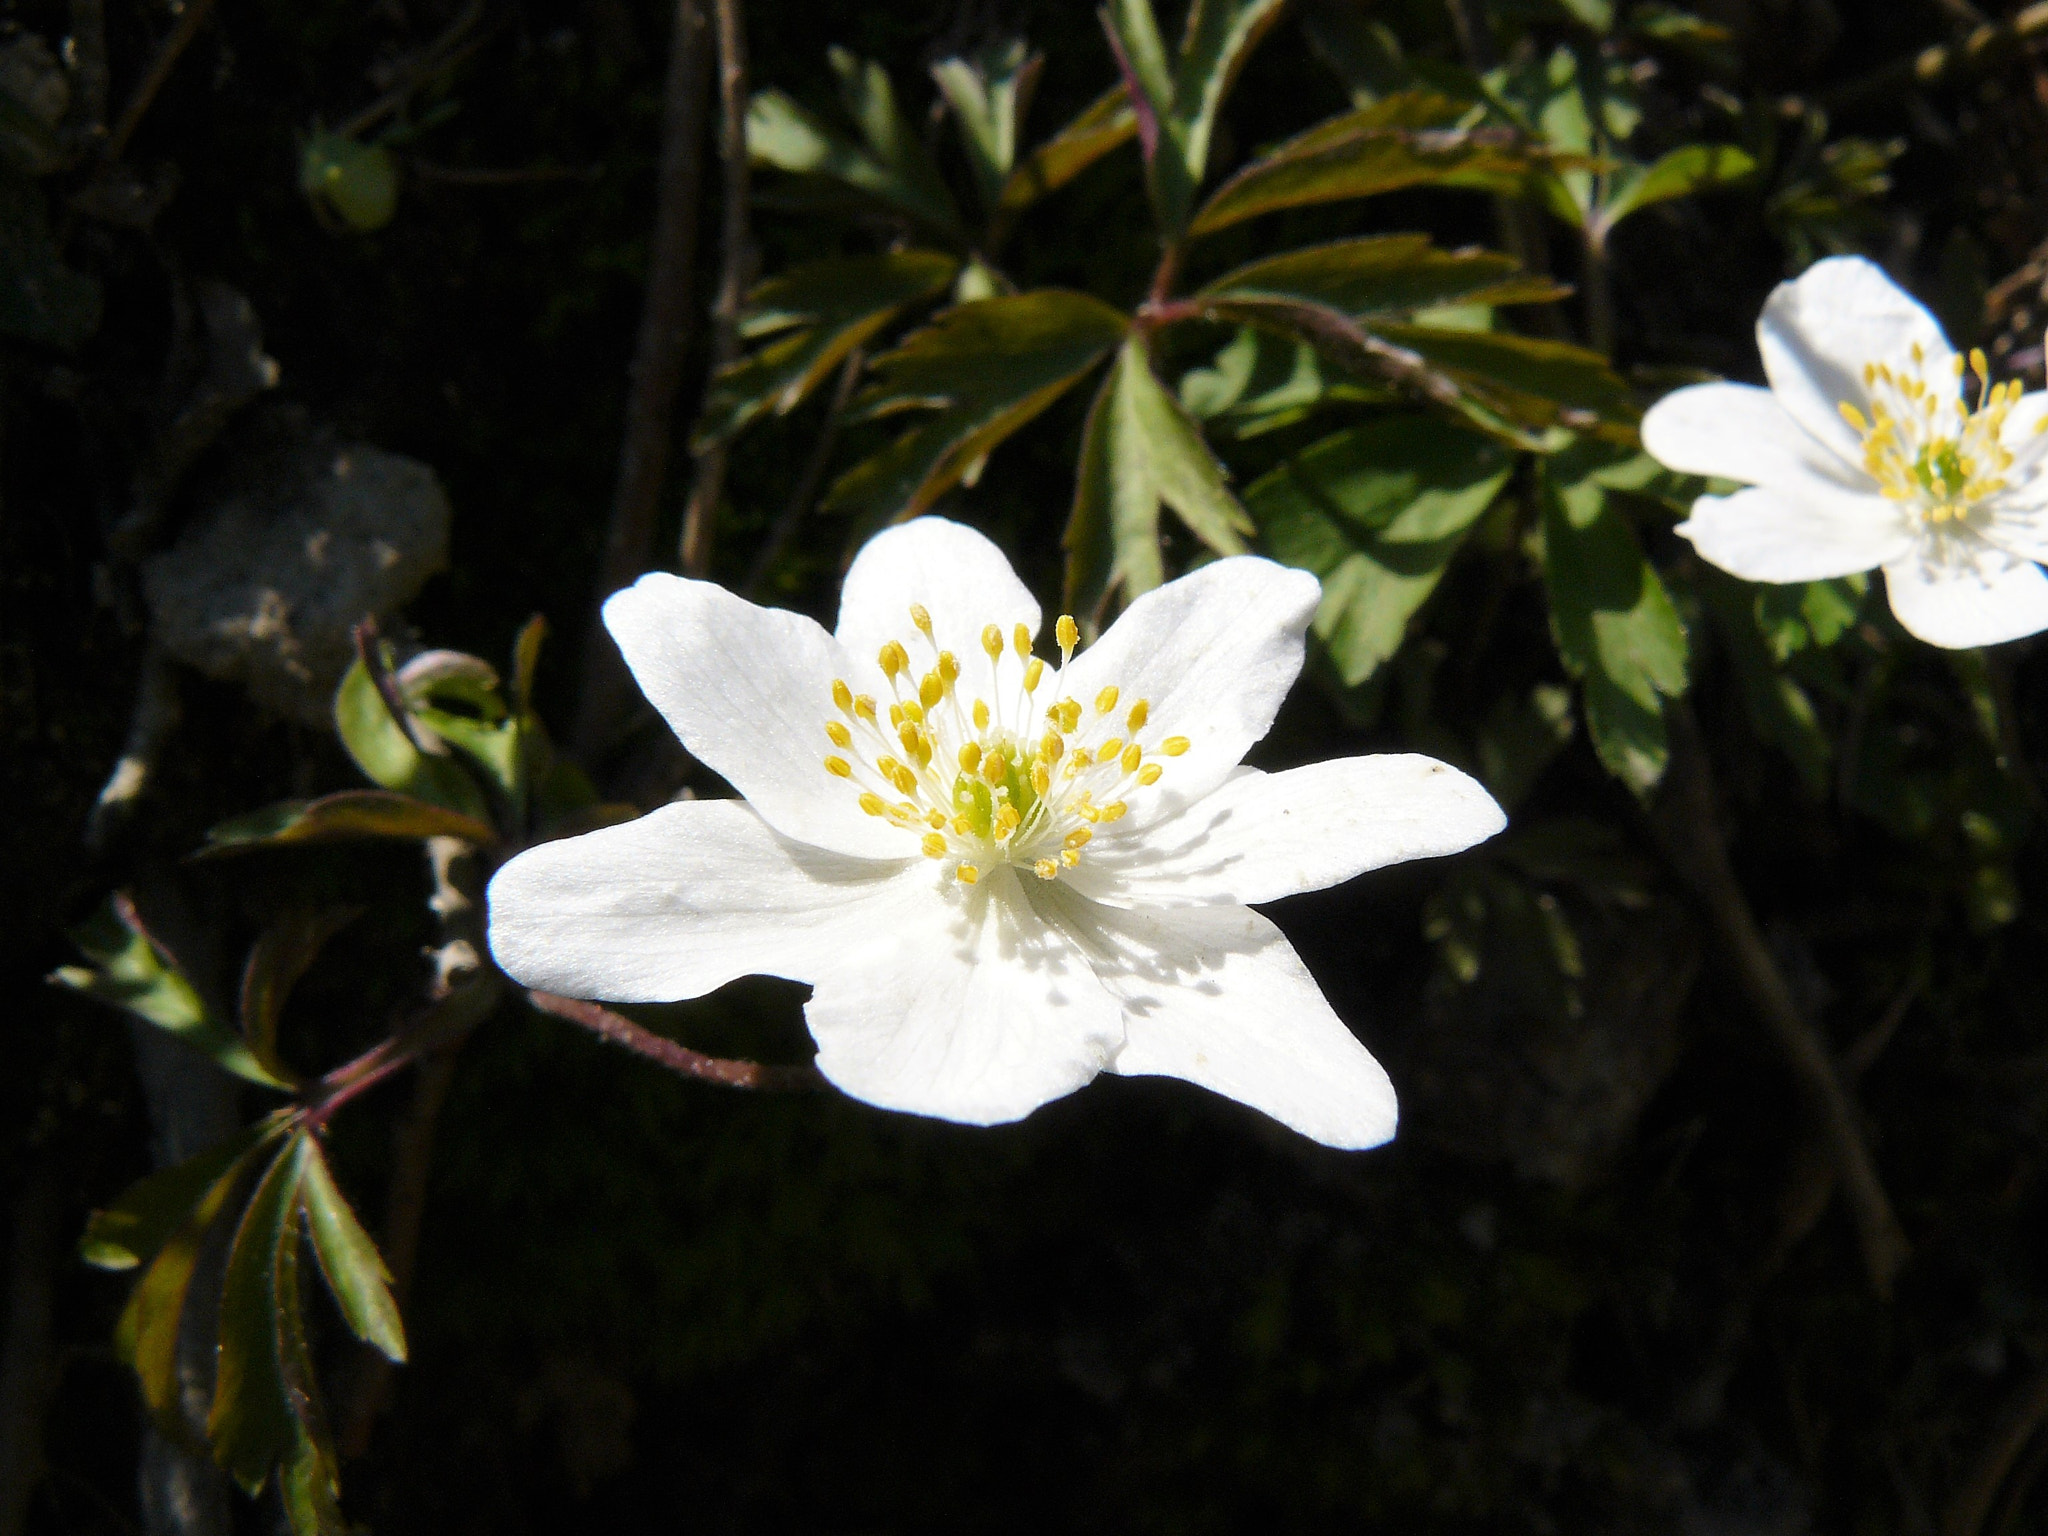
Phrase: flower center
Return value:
(1927, 445)
(995, 777)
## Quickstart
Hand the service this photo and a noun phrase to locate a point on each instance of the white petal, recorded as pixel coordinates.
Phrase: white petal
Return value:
(2026, 424)
(749, 690)
(684, 900)
(962, 580)
(1772, 534)
(1818, 331)
(974, 1010)
(1261, 836)
(1212, 654)
(1217, 996)
(1978, 596)
(1741, 432)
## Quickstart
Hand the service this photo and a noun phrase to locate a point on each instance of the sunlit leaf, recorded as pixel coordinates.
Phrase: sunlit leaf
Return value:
(1141, 450)
(389, 756)
(251, 1423)
(807, 320)
(135, 1228)
(1413, 139)
(347, 814)
(131, 971)
(1383, 275)
(349, 1260)
(1220, 36)
(1376, 513)
(1527, 381)
(983, 370)
(1680, 173)
(1105, 124)
(989, 94)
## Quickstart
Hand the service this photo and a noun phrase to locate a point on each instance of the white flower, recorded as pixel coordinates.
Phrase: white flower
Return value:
(999, 876)
(1869, 450)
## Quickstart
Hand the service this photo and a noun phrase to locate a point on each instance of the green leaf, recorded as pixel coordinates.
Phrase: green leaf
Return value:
(1383, 275)
(135, 973)
(1523, 381)
(277, 960)
(811, 317)
(309, 1484)
(350, 813)
(147, 1334)
(1612, 619)
(1107, 123)
(1417, 138)
(389, 756)
(1522, 736)
(989, 95)
(984, 370)
(1141, 449)
(1221, 35)
(1264, 380)
(1680, 173)
(1141, 56)
(892, 167)
(1364, 55)
(135, 1228)
(349, 1260)
(309, 1480)
(1779, 710)
(1376, 513)
(252, 1425)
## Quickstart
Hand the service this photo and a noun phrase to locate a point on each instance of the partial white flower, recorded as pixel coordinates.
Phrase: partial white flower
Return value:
(1000, 875)
(1871, 449)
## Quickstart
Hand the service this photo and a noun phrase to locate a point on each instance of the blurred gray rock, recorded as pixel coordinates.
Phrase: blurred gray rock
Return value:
(264, 585)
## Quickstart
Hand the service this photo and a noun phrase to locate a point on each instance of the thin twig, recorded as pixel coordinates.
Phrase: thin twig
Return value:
(805, 490)
(154, 718)
(1688, 832)
(1983, 47)
(434, 59)
(189, 22)
(700, 515)
(666, 317)
(619, 1030)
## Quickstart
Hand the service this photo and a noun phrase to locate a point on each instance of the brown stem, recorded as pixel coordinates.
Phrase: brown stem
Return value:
(2020, 1419)
(806, 488)
(665, 321)
(700, 515)
(1688, 831)
(1599, 284)
(189, 22)
(619, 1030)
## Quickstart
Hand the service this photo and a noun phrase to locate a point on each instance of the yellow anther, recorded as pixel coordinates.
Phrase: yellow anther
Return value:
(992, 641)
(995, 767)
(864, 707)
(922, 618)
(1140, 713)
(949, 668)
(934, 846)
(842, 695)
(913, 711)
(838, 734)
(1046, 869)
(1034, 669)
(981, 714)
(970, 755)
(1133, 756)
(1082, 758)
(1114, 810)
(967, 874)
(1041, 778)
(1066, 714)
(905, 780)
(873, 803)
(1020, 641)
(1980, 364)
(896, 715)
(931, 689)
(1087, 812)
(1008, 819)
(936, 820)
(1853, 416)
(1068, 633)
(894, 659)
(839, 767)
(963, 826)
(1069, 857)
(1107, 752)
(1105, 701)
(1173, 746)
(1149, 774)
(1078, 838)
(1053, 747)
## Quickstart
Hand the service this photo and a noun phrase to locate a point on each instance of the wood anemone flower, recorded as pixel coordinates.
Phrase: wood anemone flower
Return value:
(1000, 874)
(1873, 447)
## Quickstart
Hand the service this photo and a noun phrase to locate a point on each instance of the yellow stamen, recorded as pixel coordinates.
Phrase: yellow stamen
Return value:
(1173, 746)
(1105, 701)
(839, 767)
(1068, 634)
(981, 714)
(1020, 641)
(934, 846)
(1140, 713)
(838, 734)
(921, 617)
(1046, 869)
(842, 696)
(873, 804)
(1150, 773)
(1034, 669)
(992, 641)
(931, 689)
(894, 660)
(967, 874)
(970, 755)
(1133, 755)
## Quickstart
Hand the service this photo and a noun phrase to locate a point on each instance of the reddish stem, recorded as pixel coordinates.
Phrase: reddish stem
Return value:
(619, 1030)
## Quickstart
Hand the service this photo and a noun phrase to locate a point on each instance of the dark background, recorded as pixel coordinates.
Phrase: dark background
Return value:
(1559, 1302)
